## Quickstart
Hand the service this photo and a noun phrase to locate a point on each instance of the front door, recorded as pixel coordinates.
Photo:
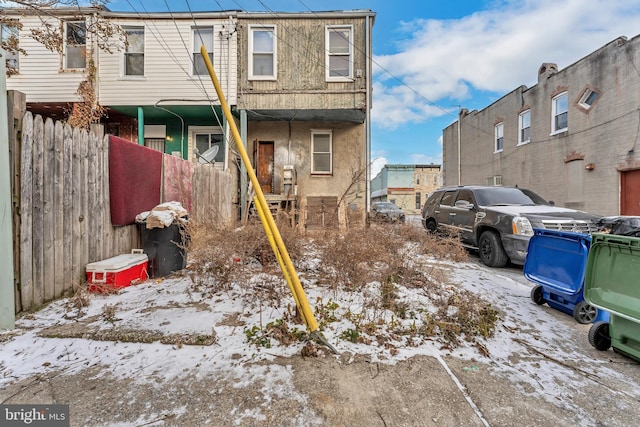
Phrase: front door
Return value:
(629, 194)
(265, 166)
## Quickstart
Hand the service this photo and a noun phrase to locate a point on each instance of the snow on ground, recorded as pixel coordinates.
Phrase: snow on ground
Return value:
(175, 306)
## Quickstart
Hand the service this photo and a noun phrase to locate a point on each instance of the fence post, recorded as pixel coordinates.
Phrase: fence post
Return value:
(17, 107)
(7, 296)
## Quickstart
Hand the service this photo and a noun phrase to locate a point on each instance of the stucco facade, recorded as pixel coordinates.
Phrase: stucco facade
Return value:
(582, 153)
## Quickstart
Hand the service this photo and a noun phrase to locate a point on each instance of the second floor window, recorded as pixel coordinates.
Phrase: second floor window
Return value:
(134, 52)
(262, 52)
(524, 127)
(202, 37)
(9, 40)
(75, 44)
(499, 131)
(339, 53)
(560, 113)
(321, 152)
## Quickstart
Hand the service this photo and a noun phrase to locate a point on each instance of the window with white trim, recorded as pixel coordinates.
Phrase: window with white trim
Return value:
(339, 53)
(524, 127)
(588, 98)
(9, 40)
(75, 45)
(134, 51)
(321, 152)
(202, 36)
(560, 113)
(499, 137)
(208, 144)
(262, 52)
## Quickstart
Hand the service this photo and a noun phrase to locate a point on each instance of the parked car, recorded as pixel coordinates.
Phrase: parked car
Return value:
(498, 221)
(386, 212)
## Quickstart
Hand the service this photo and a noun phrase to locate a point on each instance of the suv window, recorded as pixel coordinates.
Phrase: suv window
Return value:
(466, 195)
(448, 198)
(507, 196)
(433, 200)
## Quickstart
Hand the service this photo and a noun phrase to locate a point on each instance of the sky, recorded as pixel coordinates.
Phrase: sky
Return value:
(431, 58)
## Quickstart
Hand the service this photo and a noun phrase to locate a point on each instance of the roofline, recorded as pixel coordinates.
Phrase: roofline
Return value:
(354, 13)
(405, 166)
(107, 13)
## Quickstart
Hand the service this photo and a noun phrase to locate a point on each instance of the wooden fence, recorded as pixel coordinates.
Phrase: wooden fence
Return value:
(62, 212)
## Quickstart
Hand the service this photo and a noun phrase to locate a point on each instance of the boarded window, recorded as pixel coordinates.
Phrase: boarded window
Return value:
(322, 213)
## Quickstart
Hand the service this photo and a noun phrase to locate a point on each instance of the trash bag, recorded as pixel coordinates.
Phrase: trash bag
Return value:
(620, 225)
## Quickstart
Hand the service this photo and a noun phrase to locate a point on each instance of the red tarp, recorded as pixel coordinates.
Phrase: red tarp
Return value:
(135, 179)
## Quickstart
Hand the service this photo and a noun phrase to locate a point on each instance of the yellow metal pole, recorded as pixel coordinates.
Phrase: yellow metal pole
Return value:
(278, 255)
(304, 306)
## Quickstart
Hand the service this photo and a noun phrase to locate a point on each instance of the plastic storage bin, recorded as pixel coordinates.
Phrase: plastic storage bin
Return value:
(556, 261)
(117, 272)
(612, 282)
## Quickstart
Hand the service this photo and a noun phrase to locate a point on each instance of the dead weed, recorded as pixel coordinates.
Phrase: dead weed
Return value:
(376, 262)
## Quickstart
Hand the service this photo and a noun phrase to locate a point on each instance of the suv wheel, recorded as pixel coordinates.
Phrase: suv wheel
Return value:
(431, 225)
(491, 251)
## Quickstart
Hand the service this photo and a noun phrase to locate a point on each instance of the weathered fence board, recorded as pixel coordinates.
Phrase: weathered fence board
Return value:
(58, 235)
(26, 220)
(48, 211)
(67, 207)
(17, 104)
(37, 212)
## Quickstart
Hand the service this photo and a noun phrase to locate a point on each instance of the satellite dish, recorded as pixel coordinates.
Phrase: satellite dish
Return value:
(210, 154)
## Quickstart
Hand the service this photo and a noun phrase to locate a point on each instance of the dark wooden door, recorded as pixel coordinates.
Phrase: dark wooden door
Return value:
(630, 193)
(265, 166)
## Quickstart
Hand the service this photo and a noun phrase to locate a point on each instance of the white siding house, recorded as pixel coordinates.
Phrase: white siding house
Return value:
(151, 80)
(42, 75)
(169, 45)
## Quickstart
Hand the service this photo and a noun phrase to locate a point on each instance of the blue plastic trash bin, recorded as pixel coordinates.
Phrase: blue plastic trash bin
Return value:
(556, 261)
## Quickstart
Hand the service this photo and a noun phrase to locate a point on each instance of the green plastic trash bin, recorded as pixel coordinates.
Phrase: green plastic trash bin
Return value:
(612, 283)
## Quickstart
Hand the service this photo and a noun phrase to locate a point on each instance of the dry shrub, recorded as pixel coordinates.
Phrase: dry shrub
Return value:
(377, 261)
(354, 258)
(438, 246)
(465, 315)
(229, 254)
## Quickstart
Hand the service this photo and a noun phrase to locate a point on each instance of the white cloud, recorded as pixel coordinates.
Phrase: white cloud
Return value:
(376, 166)
(494, 50)
(422, 159)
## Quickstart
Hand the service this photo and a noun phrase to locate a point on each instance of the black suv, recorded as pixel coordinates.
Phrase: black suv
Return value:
(498, 221)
